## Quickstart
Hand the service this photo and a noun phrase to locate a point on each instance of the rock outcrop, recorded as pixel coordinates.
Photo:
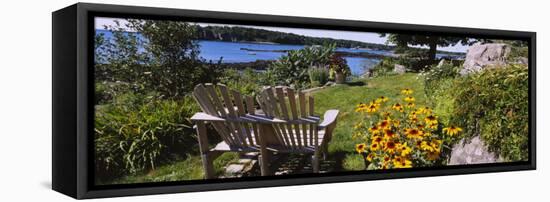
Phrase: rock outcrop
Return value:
(482, 56)
(474, 152)
(400, 69)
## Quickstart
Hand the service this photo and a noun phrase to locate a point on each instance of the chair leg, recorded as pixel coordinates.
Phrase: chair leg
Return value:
(207, 164)
(315, 162)
(264, 158)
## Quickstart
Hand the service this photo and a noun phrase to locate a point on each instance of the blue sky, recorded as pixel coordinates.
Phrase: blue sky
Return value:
(349, 35)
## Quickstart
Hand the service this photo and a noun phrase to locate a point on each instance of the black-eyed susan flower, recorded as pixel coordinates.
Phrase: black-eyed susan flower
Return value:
(382, 99)
(374, 146)
(389, 134)
(430, 119)
(414, 133)
(432, 156)
(372, 107)
(403, 149)
(390, 147)
(384, 124)
(360, 148)
(409, 99)
(377, 139)
(410, 105)
(407, 91)
(397, 107)
(424, 145)
(452, 130)
(361, 107)
(436, 145)
(402, 163)
(371, 156)
(374, 130)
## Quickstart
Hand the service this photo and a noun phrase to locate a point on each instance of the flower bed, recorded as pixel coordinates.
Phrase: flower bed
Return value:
(401, 135)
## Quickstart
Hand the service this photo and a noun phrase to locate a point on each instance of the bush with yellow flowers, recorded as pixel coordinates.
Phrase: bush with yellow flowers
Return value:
(399, 134)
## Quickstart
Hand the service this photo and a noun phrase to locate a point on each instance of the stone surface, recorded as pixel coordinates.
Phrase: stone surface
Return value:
(474, 152)
(400, 69)
(480, 56)
(234, 168)
(441, 63)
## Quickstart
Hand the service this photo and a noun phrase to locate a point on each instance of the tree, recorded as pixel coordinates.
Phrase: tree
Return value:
(432, 41)
(158, 56)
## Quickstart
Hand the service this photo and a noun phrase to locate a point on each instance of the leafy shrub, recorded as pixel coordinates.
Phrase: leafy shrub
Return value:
(494, 103)
(292, 69)
(383, 68)
(136, 132)
(438, 74)
(318, 76)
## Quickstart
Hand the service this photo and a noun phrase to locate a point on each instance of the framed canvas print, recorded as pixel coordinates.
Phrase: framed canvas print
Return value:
(157, 100)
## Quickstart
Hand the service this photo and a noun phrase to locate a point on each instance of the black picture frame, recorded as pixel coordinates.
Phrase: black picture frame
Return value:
(72, 83)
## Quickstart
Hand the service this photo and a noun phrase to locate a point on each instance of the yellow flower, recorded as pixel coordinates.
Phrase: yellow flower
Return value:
(360, 148)
(424, 110)
(361, 107)
(403, 149)
(390, 147)
(374, 146)
(426, 147)
(407, 91)
(432, 126)
(413, 133)
(400, 162)
(374, 130)
(431, 120)
(384, 124)
(436, 145)
(383, 99)
(372, 107)
(397, 107)
(389, 134)
(452, 130)
(410, 105)
(386, 115)
(377, 139)
(371, 156)
(409, 99)
(412, 115)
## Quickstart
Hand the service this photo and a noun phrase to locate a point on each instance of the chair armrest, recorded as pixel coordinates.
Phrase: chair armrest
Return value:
(201, 116)
(329, 118)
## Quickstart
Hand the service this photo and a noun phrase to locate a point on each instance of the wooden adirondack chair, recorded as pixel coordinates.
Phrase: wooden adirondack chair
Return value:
(232, 117)
(295, 127)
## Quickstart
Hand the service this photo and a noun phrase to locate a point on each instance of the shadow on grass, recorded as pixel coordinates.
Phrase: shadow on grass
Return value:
(356, 83)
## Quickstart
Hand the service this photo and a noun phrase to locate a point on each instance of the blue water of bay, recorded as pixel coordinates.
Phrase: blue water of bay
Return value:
(234, 52)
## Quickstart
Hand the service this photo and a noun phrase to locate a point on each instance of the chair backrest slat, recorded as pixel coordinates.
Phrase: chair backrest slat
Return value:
(293, 110)
(241, 111)
(207, 105)
(298, 110)
(252, 110)
(303, 113)
(312, 128)
(218, 100)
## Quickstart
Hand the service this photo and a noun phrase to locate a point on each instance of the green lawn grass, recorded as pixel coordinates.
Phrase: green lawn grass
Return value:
(343, 97)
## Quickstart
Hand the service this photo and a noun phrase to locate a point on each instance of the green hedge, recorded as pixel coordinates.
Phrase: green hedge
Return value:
(494, 103)
(137, 132)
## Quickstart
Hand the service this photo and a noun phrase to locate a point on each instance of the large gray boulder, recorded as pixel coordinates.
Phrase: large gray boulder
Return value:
(399, 69)
(472, 152)
(481, 56)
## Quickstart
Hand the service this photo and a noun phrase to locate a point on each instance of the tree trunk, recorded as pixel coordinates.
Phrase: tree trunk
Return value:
(433, 51)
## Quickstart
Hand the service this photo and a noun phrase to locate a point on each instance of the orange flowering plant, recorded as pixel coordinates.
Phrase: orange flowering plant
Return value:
(400, 134)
